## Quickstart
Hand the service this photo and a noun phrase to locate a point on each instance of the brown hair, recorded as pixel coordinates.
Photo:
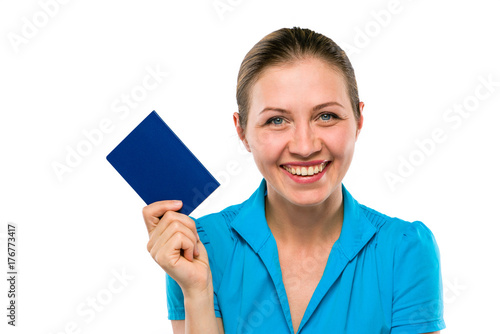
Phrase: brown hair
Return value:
(286, 46)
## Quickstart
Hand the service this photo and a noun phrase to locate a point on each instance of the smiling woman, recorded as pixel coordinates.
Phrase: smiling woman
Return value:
(301, 255)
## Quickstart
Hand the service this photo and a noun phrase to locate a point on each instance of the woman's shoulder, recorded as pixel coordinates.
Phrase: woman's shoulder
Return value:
(393, 230)
(218, 223)
(215, 228)
(217, 236)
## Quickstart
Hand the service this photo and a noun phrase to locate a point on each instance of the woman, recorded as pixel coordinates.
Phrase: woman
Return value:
(300, 255)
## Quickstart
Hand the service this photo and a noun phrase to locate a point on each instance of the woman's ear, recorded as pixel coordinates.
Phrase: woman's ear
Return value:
(240, 131)
(360, 120)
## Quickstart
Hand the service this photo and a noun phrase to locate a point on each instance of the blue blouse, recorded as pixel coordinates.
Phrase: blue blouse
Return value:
(382, 276)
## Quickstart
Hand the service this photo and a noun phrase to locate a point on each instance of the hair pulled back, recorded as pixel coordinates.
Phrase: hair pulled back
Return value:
(288, 45)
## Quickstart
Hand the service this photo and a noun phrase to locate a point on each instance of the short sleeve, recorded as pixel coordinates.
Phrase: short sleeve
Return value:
(175, 297)
(418, 292)
(175, 300)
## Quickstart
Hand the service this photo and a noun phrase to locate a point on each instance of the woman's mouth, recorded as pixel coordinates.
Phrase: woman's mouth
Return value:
(305, 169)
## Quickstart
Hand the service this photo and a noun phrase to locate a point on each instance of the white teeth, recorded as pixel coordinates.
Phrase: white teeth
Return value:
(306, 170)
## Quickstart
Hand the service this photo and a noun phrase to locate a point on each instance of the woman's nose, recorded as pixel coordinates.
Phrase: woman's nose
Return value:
(304, 141)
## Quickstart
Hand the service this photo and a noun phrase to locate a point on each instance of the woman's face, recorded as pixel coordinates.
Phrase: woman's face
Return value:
(301, 130)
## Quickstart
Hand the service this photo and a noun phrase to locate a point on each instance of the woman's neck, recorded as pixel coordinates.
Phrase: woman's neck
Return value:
(305, 226)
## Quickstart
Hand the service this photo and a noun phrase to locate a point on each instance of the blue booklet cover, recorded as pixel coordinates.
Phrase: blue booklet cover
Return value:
(158, 166)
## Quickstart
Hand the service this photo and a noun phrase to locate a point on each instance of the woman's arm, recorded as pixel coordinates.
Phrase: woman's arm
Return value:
(418, 297)
(200, 314)
(175, 245)
(179, 326)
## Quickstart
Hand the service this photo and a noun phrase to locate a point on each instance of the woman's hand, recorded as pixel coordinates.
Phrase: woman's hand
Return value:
(174, 244)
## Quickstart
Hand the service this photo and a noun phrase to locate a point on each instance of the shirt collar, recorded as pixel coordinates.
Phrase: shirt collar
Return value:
(251, 223)
(357, 230)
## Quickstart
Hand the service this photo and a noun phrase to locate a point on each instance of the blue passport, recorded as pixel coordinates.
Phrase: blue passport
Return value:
(158, 166)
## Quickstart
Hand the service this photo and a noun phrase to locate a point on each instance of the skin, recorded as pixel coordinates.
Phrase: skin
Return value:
(174, 244)
(299, 112)
(308, 118)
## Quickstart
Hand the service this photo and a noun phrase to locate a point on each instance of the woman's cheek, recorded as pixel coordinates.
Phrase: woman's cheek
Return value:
(341, 143)
(268, 140)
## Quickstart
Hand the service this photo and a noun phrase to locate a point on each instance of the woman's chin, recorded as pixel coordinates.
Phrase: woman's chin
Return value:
(310, 198)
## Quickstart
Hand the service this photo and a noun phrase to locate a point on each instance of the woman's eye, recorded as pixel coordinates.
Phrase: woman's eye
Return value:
(276, 121)
(327, 117)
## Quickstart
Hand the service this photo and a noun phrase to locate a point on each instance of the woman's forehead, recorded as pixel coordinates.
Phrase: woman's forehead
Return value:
(306, 82)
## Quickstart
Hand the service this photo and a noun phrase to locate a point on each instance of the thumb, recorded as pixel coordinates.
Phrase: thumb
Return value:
(202, 254)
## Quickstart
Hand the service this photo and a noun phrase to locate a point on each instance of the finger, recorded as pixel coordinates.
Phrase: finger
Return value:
(153, 212)
(172, 231)
(174, 244)
(172, 255)
(169, 224)
(171, 216)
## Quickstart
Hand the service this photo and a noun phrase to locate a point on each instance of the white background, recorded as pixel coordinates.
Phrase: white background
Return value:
(77, 231)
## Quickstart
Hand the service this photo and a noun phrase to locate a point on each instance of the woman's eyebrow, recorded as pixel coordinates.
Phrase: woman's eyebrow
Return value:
(327, 104)
(316, 108)
(274, 109)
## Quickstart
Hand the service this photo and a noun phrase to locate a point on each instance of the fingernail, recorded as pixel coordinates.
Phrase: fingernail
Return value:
(197, 250)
